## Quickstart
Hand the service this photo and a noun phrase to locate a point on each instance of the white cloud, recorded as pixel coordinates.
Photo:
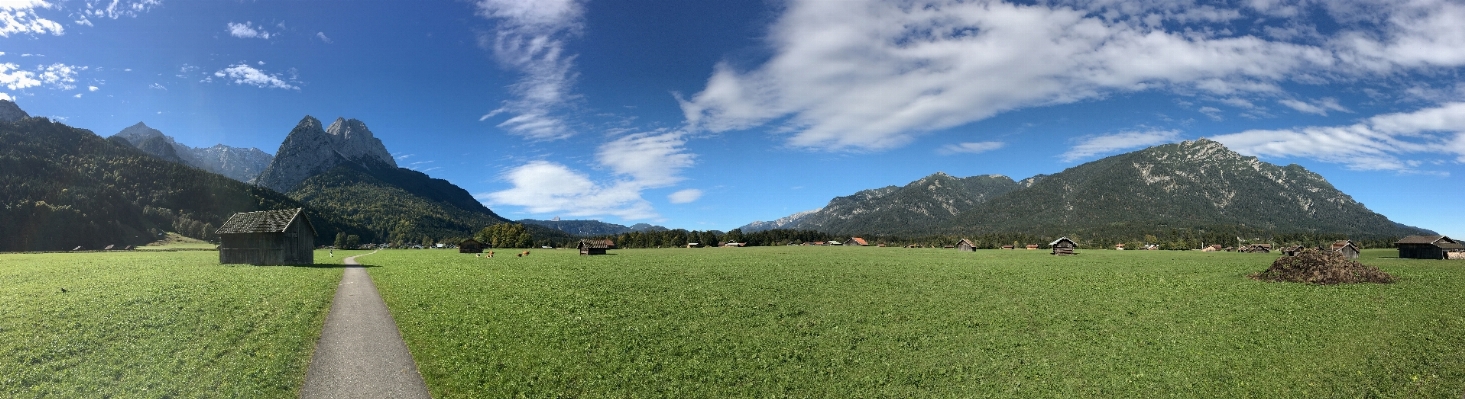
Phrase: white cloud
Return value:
(547, 187)
(78, 95)
(119, 8)
(970, 148)
(1212, 112)
(872, 74)
(637, 162)
(92, 88)
(322, 36)
(247, 75)
(530, 38)
(684, 196)
(246, 30)
(15, 78)
(1096, 145)
(157, 86)
(7, 97)
(1319, 107)
(19, 17)
(1378, 143)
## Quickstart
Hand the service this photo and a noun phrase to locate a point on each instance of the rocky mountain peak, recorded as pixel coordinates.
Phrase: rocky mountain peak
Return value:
(310, 149)
(10, 112)
(242, 164)
(140, 132)
(354, 141)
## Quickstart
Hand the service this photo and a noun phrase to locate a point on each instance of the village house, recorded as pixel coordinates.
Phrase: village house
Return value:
(1062, 246)
(856, 241)
(1345, 248)
(595, 247)
(1427, 247)
(278, 237)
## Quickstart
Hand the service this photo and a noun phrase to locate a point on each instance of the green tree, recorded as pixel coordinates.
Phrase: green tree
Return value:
(353, 241)
(340, 240)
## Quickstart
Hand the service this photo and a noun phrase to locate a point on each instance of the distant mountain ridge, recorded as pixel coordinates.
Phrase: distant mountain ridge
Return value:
(242, 164)
(1189, 185)
(10, 112)
(587, 228)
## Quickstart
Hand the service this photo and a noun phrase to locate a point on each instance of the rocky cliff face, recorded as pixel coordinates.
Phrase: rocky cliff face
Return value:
(310, 150)
(242, 164)
(10, 112)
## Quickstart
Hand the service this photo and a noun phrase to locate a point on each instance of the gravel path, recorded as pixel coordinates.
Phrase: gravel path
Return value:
(360, 353)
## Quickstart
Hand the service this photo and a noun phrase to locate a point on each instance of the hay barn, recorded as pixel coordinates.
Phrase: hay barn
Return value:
(1346, 248)
(278, 237)
(965, 245)
(1427, 247)
(470, 246)
(595, 247)
(856, 241)
(1062, 246)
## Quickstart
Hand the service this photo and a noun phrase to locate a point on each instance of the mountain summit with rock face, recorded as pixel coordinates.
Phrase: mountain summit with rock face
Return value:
(310, 150)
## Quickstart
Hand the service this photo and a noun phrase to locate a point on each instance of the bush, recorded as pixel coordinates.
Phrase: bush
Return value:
(1322, 267)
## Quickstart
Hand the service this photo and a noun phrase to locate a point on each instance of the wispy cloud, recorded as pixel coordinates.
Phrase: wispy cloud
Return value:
(530, 38)
(247, 75)
(247, 30)
(1379, 143)
(871, 74)
(685, 196)
(1097, 145)
(119, 8)
(1318, 107)
(322, 36)
(970, 148)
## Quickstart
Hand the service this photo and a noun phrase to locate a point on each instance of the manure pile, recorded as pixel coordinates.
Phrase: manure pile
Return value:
(1319, 267)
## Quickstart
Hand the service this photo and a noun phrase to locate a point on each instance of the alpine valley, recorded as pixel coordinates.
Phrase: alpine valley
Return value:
(1199, 189)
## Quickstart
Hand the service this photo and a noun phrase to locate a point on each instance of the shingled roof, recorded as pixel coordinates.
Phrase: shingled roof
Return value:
(275, 221)
(1424, 240)
(597, 244)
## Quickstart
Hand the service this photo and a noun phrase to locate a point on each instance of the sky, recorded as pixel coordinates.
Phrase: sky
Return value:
(711, 114)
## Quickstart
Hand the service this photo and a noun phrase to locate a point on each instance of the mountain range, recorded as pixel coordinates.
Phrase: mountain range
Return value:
(1197, 184)
(590, 228)
(242, 164)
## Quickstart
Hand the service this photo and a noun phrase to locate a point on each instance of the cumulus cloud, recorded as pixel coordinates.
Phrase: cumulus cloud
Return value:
(1096, 145)
(246, 30)
(872, 74)
(684, 196)
(19, 17)
(530, 38)
(244, 74)
(1378, 143)
(92, 88)
(548, 187)
(1318, 107)
(637, 162)
(15, 78)
(119, 8)
(970, 148)
(322, 36)
(56, 76)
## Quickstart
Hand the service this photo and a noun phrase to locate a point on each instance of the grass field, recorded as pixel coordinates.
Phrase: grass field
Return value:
(157, 324)
(174, 241)
(884, 322)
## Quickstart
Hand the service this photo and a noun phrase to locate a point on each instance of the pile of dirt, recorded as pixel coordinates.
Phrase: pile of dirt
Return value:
(1322, 267)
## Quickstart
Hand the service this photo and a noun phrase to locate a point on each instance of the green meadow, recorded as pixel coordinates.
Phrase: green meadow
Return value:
(887, 322)
(744, 322)
(157, 324)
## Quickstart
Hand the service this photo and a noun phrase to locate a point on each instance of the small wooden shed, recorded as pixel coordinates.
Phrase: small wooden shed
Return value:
(1062, 246)
(595, 247)
(856, 241)
(278, 237)
(965, 245)
(1427, 247)
(470, 246)
(1345, 248)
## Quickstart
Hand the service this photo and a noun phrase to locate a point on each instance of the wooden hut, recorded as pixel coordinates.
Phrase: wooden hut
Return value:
(1032, 246)
(1427, 247)
(278, 237)
(1062, 246)
(470, 246)
(856, 241)
(595, 247)
(965, 245)
(1346, 248)
(1007, 247)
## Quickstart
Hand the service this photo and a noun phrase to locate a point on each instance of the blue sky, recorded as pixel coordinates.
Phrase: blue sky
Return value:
(709, 115)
